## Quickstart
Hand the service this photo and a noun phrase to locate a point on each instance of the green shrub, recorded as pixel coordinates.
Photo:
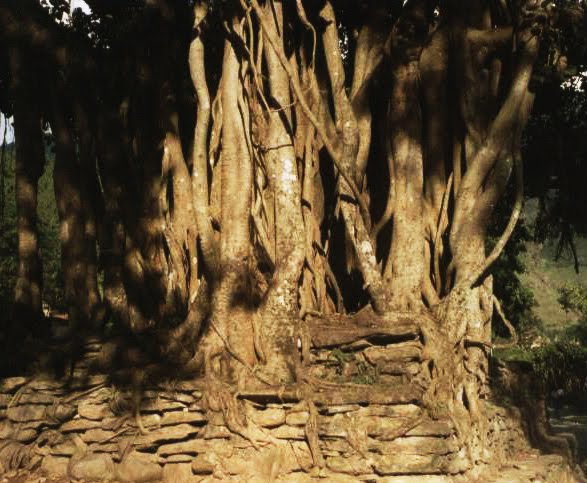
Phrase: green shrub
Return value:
(48, 234)
(563, 365)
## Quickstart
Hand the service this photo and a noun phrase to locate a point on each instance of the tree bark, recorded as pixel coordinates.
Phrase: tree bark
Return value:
(30, 160)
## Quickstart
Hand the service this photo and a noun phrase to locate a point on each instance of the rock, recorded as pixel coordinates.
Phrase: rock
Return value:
(26, 435)
(138, 468)
(191, 447)
(92, 467)
(289, 432)
(114, 423)
(60, 413)
(168, 434)
(432, 428)
(416, 445)
(201, 465)
(4, 400)
(402, 352)
(260, 465)
(297, 457)
(23, 414)
(299, 418)
(336, 446)
(341, 408)
(158, 405)
(215, 431)
(269, 418)
(417, 479)
(405, 410)
(96, 435)
(384, 426)
(79, 424)
(67, 448)
(401, 464)
(196, 446)
(82, 380)
(351, 465)
(95, 412)
(33, 425)
(177, 397)
(179, 417)
(178, 473)
(55, 466)
(12, 384)
(148, 421)
(197, 407)
(333, 426)
(192, 385)
(44, 384)
(6, 429)
(13, 455)
(113, 448)
(399, 368)
(178, 458)
(36, 397)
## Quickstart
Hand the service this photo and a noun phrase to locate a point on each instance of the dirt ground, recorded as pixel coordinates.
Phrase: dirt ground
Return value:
(529, 467)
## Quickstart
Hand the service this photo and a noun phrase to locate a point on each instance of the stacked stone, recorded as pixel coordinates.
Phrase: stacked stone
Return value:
(84, 428)
(367, 363)
(364, 422)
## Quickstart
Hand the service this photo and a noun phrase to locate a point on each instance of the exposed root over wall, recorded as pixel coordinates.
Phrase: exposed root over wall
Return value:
(357, 415)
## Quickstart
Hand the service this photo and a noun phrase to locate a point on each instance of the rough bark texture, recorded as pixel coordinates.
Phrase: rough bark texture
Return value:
(265, 179)
(30, 160)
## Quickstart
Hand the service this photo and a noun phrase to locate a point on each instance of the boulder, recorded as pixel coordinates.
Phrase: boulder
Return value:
(179, 417)
(138, 468)
(24, 414)
(299, 418)
(351, 465)
(178, 473)
(93, 411)
(12, 384)
(269, 418)
(55, 466)
(92, 467)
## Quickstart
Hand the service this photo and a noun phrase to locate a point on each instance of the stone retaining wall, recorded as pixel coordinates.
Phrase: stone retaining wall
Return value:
(365, 422)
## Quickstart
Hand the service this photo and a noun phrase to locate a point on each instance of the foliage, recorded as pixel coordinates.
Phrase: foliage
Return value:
(48, 235)
(562, 364)
(362, 371)
(573, 297)
(516, 299)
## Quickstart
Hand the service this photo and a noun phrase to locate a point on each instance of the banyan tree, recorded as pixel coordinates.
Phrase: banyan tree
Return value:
(231, 174)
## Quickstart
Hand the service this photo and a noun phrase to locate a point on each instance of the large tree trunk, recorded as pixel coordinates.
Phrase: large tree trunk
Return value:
(280, 311)
(232, 313)
(30, 160)
(76, 230)
(298, 117)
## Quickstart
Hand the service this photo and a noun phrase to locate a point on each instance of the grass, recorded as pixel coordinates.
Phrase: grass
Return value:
(545, 277)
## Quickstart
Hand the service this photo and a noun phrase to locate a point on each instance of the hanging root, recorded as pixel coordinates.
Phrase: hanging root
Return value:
(508, 324)
(311, 431)
(220, 398)
(137, 380)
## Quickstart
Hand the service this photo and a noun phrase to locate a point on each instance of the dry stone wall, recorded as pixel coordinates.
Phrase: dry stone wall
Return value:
(363, 421)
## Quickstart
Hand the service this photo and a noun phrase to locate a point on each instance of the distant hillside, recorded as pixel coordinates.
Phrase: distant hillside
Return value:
(545, 276)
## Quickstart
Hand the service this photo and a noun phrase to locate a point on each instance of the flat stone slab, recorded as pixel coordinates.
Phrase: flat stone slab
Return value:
(12, 384)
(168, 434)
(180, 417)
(24, 414)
